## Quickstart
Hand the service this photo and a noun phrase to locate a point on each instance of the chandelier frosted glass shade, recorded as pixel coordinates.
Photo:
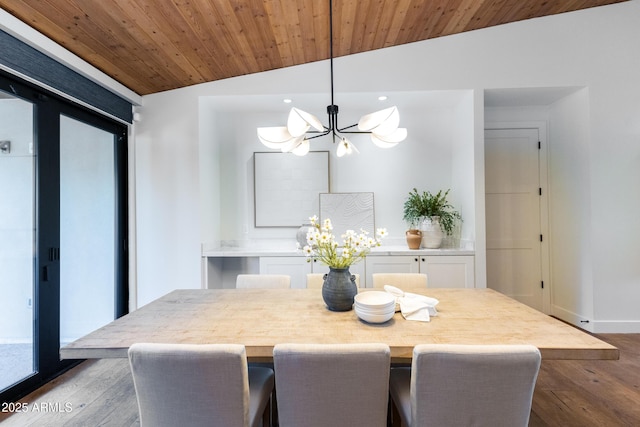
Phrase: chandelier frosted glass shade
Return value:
(345, 147)
(299, 122)
(385, 120)
(383, 126)
(391, 140)
(291, 138)
(274, 137)
(302, 148)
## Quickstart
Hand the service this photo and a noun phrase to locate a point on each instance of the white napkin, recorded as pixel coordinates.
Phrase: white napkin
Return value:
(414, 306)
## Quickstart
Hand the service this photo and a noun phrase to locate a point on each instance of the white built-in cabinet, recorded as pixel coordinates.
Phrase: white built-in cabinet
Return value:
(451, 270)
(442, 271)
(295, 266)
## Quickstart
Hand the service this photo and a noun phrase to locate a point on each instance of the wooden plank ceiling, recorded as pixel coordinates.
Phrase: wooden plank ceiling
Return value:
(156, 45)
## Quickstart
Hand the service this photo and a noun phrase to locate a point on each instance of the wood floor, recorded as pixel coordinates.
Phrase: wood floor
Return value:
(568, 393)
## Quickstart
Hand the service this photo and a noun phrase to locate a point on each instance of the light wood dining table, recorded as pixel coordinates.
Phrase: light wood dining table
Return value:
(262, 318)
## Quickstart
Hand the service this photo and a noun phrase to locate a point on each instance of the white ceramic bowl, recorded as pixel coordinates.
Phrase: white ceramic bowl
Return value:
(374, 317)
(373, 299)
(375, 310)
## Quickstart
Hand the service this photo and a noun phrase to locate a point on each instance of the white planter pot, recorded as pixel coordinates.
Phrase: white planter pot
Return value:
(432, 233)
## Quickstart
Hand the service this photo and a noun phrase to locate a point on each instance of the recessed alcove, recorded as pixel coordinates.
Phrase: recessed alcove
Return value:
(438, 154)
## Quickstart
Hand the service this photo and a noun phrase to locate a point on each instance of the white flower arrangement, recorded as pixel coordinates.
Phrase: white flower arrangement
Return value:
(322, 245)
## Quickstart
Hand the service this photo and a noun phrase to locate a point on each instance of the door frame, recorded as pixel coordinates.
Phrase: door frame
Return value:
(543, 165)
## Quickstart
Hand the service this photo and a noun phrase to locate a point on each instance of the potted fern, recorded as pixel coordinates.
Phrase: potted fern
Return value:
(437, 214)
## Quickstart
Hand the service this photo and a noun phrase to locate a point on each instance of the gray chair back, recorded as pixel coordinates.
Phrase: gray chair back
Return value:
(198, 385)
(462, 385)
(321, 385)
(400, 280)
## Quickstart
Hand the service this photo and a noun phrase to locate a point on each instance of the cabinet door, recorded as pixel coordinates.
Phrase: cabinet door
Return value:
(390, 264)
(449, 271)
(295, 266)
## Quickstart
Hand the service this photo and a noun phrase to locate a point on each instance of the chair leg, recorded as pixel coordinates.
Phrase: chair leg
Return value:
(395, 416)
(275, 422)
(266, 415)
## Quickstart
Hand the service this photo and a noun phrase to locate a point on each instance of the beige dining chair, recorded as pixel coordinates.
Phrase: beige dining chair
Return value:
(461, 385)
(321, 385)
(199, 385)
(315, 280)
(264, 281)
(399, 280)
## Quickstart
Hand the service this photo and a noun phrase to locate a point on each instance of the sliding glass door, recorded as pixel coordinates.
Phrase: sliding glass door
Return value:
(87, 227)
(63, 216)
(17, 240)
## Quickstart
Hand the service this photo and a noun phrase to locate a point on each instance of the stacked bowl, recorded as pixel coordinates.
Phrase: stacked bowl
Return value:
(374, 306)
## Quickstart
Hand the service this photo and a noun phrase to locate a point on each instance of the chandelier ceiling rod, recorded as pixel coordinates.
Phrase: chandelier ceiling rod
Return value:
(332, 110)
(331, 48)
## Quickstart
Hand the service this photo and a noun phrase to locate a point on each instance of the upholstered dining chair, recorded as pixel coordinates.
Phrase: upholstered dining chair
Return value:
(399, 280)
(315, 280)
(323, 385)
(265, 281)
(462, 385)
(199, 385)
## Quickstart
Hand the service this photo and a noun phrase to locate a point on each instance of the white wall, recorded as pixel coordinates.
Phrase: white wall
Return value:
(167, 199)
(571, 224)
(560, 50)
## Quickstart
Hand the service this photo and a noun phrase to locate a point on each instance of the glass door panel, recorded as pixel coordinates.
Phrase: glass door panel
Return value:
(87, 228)
(17, 240)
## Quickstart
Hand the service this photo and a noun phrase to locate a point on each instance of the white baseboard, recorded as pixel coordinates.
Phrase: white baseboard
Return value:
(616, 327)
(597, 326)
(572, 318)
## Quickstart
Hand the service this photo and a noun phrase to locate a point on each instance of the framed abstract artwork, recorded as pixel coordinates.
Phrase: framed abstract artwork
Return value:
(286, 187)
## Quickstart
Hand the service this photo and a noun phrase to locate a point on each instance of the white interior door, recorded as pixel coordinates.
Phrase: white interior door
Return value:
(512, 198)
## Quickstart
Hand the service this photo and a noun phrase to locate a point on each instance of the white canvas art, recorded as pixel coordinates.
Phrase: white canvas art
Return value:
(348, 211)
(286, 187)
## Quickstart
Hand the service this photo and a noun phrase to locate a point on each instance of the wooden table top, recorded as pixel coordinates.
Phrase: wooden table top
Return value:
(261, 318)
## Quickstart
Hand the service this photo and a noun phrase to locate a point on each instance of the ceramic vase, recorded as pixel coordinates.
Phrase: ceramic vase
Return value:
(432, 233)
(339, 289)
(301, 234)
(414, 238)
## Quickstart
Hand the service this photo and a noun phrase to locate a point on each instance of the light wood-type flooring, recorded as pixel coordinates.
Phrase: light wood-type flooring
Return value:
(568, 393)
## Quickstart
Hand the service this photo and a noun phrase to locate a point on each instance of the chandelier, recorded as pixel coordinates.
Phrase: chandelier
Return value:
(302, 126)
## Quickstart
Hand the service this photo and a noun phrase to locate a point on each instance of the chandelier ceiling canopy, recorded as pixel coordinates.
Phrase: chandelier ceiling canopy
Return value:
(302, 126)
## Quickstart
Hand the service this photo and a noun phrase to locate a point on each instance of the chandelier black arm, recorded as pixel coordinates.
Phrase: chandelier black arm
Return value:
(335, 132)
(344, 130)
(327, 131)
(354, 131)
